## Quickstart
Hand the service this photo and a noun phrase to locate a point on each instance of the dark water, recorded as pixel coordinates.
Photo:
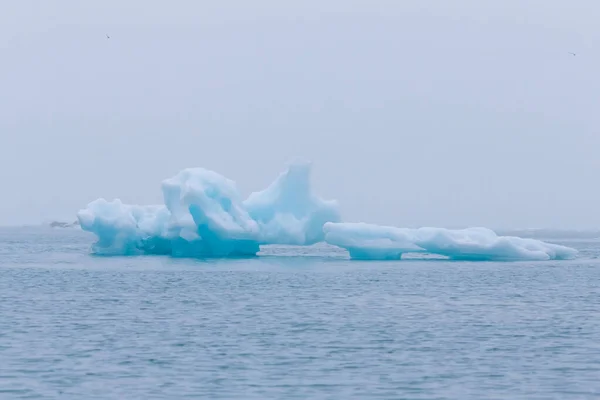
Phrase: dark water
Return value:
(285, 327)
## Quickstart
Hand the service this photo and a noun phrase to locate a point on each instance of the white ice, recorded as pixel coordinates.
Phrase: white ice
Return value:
(372, 242)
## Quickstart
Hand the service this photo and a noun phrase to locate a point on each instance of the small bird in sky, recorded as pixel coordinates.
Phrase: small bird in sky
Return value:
(573, 54)
(108, 37)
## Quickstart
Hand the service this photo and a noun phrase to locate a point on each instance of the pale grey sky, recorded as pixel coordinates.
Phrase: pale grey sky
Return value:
(417, 112)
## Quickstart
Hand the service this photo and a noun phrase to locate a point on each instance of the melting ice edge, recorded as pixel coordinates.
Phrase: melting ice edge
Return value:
(204, 216)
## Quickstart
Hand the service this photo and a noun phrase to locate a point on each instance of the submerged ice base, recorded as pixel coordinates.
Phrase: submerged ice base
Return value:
(204, 216)
(373, 242)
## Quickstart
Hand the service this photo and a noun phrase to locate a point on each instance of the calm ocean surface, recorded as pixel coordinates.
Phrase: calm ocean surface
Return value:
(288, 327)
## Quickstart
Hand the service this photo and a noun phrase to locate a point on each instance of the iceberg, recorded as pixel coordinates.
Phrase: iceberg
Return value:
(373, 242)
(204, 216)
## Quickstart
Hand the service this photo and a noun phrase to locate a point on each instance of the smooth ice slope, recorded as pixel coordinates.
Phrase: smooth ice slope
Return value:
(372, 242)
(288, 212)
(204, 216)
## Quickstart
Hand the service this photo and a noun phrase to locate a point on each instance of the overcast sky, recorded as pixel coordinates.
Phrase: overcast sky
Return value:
(415, 112)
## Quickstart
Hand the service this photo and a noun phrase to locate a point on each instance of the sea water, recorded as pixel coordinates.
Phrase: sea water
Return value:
(293, 323)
